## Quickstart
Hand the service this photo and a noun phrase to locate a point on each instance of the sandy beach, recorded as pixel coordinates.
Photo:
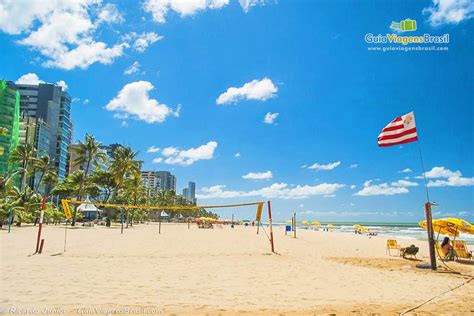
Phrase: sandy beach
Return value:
(219, 271)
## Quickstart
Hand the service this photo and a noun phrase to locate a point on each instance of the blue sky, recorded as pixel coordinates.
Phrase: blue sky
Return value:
(280, 84)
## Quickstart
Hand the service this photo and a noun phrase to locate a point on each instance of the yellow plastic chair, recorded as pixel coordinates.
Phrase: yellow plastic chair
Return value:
(460, 250)
(392, 245)
(441, 253)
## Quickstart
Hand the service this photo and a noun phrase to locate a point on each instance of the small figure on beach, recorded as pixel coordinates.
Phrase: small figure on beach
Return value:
(447, 248)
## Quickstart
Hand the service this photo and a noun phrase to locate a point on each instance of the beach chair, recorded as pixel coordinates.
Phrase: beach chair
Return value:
(441, 253)
(460, 250)
(409, 251)
(392, 245)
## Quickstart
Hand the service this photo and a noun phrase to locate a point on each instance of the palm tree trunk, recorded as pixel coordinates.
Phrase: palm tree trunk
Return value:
(79, 193)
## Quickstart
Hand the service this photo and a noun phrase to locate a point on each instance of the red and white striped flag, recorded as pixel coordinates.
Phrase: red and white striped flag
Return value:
(401, 130)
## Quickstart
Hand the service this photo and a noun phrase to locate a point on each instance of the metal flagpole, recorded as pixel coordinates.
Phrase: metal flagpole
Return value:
(428, 215)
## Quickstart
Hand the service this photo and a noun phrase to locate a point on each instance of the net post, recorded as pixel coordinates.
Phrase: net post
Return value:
(294, 224)
(270, 224)
(40, 226)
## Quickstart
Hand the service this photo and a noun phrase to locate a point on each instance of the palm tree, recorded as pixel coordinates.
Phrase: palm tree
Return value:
(88, 154)
(105, 183)
(44, 168)
(123, 164)
(25, 204)
(24, 154)
(134, 193)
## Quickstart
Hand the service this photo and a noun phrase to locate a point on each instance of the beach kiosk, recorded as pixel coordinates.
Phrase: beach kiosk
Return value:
(89, 211)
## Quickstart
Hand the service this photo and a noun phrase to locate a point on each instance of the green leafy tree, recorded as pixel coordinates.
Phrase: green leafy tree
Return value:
(24, 155)
(88, 154)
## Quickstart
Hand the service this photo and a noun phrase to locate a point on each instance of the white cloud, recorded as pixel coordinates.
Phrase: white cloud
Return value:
(62, 84)
(258, 175)
(62, 31)
(29, 78)
(134, 100)
(353, 186)
(157, 160)
(86, 101)
(175, 156)
(442, 172)
(449, 11)
(160, 8)
(74, 100)
(329, 166)
(247, 4)
(452, 182)
(144, 40)
(259, 90)
(353, 166)
(237, 155)
(84, 55)
(33, 79)
(153, 149)
(133, 68)
(124, 124)
(406, 170)
(449, 178)
(109, 13)
(276, 190)
(404, 183)
(398, 187)
(270, 118)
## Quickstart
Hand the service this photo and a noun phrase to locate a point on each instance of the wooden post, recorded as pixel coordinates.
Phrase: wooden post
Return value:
(159, 223)
(429, 223)
(10, 220)
(270, 224)
(40, 226)
(65, 235)
(294, 223)
(258, 226)
(41, 246)
(121, 220)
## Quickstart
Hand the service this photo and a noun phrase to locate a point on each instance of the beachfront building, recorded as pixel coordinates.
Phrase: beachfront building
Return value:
(151, 182)
(50, 106)
(9, 123)
(167, 181)
(36, 132)
(189, 193)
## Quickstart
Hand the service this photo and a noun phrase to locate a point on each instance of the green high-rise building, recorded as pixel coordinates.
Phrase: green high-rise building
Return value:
(9, 123)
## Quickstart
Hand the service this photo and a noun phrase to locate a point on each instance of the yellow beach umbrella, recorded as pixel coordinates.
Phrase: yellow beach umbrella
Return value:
(449, 226)
(330, 225)
(289, 221)
(362, 228)
(459, 224)
(316, 223)
(304, 223)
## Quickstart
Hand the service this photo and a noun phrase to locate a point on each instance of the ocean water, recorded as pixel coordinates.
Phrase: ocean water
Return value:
(407, 231)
